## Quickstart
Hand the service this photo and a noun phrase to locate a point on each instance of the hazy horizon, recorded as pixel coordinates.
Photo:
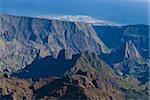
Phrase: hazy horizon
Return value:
(124, 12)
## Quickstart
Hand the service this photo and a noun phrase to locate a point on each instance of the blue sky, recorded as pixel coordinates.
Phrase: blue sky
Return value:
(121, 11)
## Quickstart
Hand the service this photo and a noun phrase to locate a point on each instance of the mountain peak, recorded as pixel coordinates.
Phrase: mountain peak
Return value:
(131, 51)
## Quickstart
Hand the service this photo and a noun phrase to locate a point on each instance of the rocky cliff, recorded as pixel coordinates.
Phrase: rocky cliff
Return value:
(22, 38)
(119, 35)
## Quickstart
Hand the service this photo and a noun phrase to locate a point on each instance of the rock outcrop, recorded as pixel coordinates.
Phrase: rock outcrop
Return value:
(131, 51)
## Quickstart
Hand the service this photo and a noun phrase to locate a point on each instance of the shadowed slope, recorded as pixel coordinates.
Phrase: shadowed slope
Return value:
(48, 66)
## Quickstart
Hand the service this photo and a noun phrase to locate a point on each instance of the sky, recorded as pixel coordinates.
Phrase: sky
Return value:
(120, 11)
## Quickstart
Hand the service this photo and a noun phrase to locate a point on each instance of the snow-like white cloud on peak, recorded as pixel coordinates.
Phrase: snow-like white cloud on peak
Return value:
(81, 18)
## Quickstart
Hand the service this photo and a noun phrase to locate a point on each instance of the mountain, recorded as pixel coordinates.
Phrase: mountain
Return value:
(54, 59)
(138, 66)
(127, 61)
(94, 70)
(130, 49)
(119, 35)
(89, 78)
(22, 38)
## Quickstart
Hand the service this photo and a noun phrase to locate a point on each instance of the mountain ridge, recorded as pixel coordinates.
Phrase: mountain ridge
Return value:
(31, 35)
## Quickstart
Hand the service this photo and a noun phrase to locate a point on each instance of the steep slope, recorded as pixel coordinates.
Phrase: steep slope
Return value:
(90, 78)
(127, 61)
(48, 66)
(23, 37)
(119, 35)
(92, 72)
(131, 51)
(135, 63)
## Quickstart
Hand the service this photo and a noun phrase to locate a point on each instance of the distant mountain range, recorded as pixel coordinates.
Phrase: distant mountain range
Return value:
(56, 58)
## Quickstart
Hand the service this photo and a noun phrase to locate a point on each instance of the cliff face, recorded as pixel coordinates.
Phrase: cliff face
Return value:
(130, 49)
(119, 35)
(22, 38)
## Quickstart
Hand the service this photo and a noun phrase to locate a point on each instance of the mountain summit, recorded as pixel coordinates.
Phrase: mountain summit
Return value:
(131, 51)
